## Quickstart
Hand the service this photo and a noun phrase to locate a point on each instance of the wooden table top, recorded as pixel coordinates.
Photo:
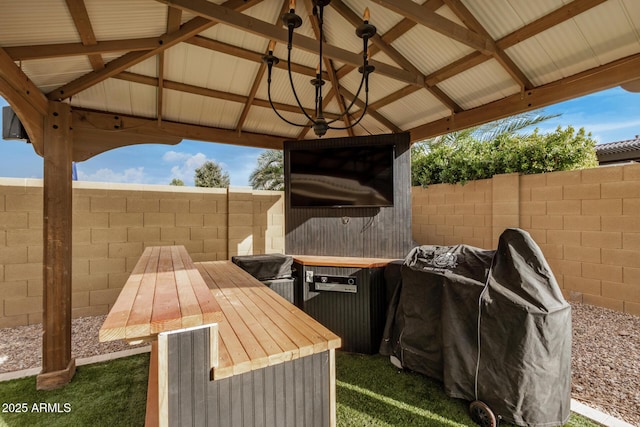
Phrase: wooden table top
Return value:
(260, 328)
(337, 261)
(164, 292)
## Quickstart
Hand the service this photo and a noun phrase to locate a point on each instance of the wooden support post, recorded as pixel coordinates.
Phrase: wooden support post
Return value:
(57, 365)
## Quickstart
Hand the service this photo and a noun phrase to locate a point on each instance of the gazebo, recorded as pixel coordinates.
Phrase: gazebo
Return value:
(87, 76)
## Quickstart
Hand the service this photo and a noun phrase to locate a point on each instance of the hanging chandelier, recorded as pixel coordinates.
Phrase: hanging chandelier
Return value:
(318, 122)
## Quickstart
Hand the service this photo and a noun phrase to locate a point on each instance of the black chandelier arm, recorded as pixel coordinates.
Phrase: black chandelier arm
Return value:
(293, 87)
(364, 112)
(353, 101)
(277, 112)
(319, 124)
(366, 70)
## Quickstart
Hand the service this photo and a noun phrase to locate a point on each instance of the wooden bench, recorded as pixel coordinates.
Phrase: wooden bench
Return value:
(259, 350)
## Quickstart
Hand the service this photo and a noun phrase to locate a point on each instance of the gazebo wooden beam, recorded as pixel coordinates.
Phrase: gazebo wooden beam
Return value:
(81, 19)
(61, 50)
(442, 25)
(562, 14)
(212, 93)
(544, 23)
(590, 81)
(58, 367)
(383, 46)
(94, 133)
(507, 63)
(222, 14)
(186, 31)
(25, 99)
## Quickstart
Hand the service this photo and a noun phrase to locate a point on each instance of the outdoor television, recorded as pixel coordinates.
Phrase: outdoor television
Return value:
(341, 176)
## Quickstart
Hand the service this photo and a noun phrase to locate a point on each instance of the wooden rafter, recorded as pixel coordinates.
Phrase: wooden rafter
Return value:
(590, 81)
(160, 91)
(406, 24)
(471, 22)
(386, 40)
(438, 23)
(249, 55)
(174, 18)
(186, 31)
(556, 17)
(25, 98)
(252, 96)
(60, 50)
(256, 26)
(257, 80)
(211, 93)
(96, 131)
(80, 17)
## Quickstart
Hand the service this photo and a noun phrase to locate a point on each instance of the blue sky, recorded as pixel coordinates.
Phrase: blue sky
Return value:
(611, 115)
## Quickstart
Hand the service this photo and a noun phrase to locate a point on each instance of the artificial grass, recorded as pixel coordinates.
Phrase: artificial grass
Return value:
(372, 392)
(103, 394)
(369, 391)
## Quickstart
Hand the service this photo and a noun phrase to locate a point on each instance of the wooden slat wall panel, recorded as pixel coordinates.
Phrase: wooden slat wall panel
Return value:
(294, 393)
(370, 232)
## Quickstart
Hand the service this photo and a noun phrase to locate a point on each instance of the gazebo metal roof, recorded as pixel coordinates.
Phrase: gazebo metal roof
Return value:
(159, 71)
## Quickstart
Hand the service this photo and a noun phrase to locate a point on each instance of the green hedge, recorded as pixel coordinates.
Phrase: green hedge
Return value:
(470, 159)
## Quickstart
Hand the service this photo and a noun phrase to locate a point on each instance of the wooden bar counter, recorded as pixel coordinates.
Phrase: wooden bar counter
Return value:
(249, 358)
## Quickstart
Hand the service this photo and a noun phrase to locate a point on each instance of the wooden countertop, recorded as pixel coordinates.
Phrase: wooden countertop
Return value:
(335, 261)
(164, 292)
(260, 328)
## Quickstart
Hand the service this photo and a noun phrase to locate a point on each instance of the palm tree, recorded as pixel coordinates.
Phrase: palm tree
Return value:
(269, 173)
(469, 153)
(488, 131)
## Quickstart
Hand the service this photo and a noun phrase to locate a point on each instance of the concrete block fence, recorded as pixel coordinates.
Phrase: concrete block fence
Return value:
(587, 223)
(112, 223)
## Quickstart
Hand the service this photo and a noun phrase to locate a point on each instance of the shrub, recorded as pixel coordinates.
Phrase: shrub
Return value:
(473, 159)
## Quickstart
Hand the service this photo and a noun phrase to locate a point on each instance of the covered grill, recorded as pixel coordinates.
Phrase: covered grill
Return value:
(493, 326)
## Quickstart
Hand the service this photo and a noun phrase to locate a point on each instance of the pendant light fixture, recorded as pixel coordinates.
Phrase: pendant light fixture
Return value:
(318, 122)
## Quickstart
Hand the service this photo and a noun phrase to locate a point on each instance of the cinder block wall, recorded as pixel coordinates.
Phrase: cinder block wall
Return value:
(586, 222)
(112, 224)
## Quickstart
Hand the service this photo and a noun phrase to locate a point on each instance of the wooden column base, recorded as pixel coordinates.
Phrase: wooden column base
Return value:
(152, 417)
(56, 379)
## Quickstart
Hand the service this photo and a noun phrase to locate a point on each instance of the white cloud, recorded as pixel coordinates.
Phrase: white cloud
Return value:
(175, 156)
(131, 175)
(186, 165)
(609, 126)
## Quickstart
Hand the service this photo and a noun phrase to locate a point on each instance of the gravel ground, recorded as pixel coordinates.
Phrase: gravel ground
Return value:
(605, 357)
(606, 361)
(21, 347)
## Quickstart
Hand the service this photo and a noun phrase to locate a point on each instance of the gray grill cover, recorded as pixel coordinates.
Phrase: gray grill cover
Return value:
(523, 330)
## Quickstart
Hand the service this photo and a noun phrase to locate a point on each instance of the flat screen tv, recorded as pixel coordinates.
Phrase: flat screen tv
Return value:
(344, 176)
